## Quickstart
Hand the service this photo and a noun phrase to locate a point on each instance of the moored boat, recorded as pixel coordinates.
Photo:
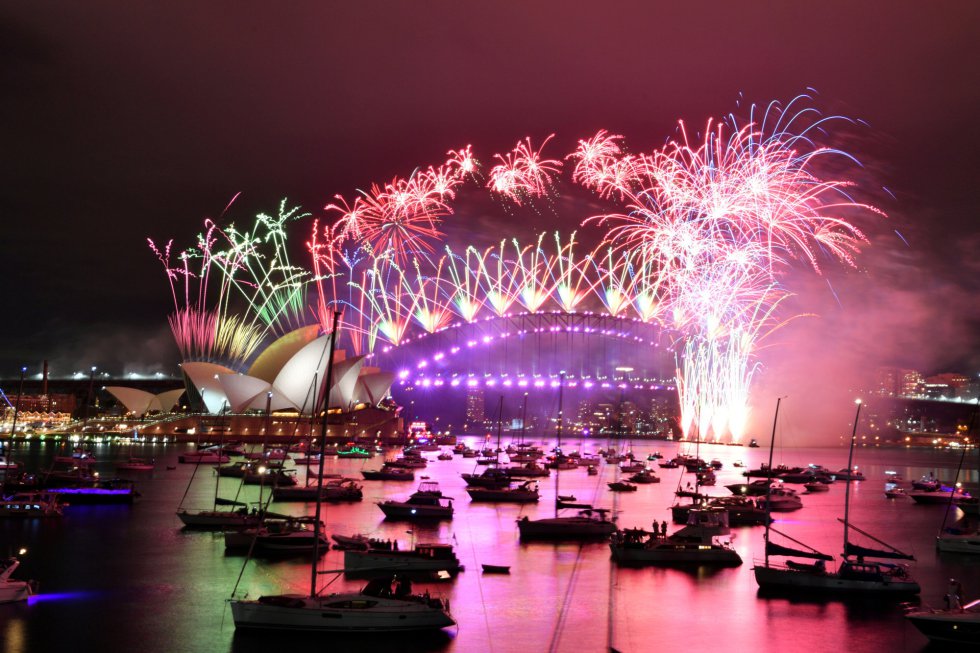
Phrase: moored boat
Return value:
(425, 503)
(14, 590)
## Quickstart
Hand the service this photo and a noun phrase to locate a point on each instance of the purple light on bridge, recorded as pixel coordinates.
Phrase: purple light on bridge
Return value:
(471, 383)
(403, 374)
(454, 382)
(522, 383)
(539, 383)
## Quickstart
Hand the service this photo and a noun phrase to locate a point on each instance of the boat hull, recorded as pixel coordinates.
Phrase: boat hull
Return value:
(958, 544)
(565, 528)
(329, 615)
(791, 580)
(360, 563)
(675, 554)
(948, 626)
(13, 591)
(215, 519)
(407, 512)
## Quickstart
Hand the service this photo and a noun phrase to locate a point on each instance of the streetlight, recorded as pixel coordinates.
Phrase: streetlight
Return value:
(88, 396)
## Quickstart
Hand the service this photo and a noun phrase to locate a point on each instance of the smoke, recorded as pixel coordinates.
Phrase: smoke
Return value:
(908, 307)
(115, 348)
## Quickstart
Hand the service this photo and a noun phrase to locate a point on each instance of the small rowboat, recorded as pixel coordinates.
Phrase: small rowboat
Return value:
(496, 569)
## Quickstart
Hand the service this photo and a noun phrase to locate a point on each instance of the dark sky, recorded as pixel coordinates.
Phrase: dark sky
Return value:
(122, 120)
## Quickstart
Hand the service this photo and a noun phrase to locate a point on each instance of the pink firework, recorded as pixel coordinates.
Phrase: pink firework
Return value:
(522, 173)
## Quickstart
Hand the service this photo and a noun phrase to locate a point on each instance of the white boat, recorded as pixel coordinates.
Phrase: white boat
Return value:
(955, 540)
(30, 504)
(954, 625)
(426, 503)
(428, 559)
(781, 499)
(376, 608)
(700, 542)
(938, 497)
(855, 575)
(14, 590)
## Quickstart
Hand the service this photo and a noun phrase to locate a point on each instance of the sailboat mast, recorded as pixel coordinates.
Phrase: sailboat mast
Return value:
(847, 485)
(500, 421)
(334, 332)
(561, 388)
(959, 468)
(524, 418)
(772, 445)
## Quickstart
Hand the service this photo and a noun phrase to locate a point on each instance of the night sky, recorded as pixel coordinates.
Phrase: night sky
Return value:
(122, 120)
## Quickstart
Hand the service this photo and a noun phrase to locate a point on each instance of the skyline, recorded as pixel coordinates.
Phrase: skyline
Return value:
(100, 147)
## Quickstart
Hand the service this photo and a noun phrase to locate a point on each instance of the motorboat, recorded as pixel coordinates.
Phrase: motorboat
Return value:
(632, 467)
(669, 464)
(429, 560)
(895, 493)
(765, 471)
(742, 511)
(644, 478)
(700, 542)
(355, 542)
(526, 492)
(334, 490)
(940, 497)
(781, 499)
(353, 452)
(30, 504)
(388, 474)
(816, 486)
(427, 502)
(927, 483)
(621, 486)
(849, 474)
(376, 608)
(757, 488)
(269, 476)
(492, 477)
(529, 469)
(955, 539)
(273, 453)
(445, 455)
(588, 523)
(14, 590)
(279, 537)
(592, 470)
(137, 465)
(954, 625)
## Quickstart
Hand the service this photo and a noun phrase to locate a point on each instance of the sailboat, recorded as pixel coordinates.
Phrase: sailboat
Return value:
(487, 488)
(376, 608)
(588, 523)
(854, 575)
(960, 537)
(234, 515)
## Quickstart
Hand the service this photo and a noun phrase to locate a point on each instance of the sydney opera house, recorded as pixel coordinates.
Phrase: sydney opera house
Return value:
(281, 394)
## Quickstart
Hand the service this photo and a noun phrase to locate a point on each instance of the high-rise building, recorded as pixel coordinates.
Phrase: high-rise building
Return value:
(475, 413)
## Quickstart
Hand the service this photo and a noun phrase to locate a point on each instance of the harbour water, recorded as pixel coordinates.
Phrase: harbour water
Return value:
(122, 578)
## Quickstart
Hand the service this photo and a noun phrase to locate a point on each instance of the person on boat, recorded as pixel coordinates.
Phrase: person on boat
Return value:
(663, 528)
(954, 594)
(403, 588)
(820, 566)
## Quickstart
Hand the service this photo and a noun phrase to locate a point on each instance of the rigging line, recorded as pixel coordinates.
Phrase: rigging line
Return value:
(479, 585)
(563, 608)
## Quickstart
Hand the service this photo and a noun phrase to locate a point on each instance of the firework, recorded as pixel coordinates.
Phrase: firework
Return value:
(522, 174)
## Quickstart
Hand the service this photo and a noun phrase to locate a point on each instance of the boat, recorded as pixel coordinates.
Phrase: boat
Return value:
(378, 607)
(742, 511)
(669, 464)
(781, 499)
(96, 491)
(592, 470)
(528, 470)
(30, 504)
(587, 523)
(12, 590)
(752, 489)
(356, 542)
(388, 474)
(621, 486)
(335, 490)
(927, 483)
(492, 477)
(700, 542)
(956, 624)
(895, 493)
(847, 474)
(526, 492)
(353, 452)
(269, 476)
(816, 486)
(962, 536)
(644, 478)
(495, 569)
(215, 519)
(280, 537)
(427, 502)
(738, 463)
(854, 575)
(445, 455)
(203, 457)
(939, 497)
(137, 465)
(424, 560)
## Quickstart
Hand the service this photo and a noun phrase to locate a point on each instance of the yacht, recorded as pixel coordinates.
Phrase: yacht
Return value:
(426, 559)
(588, 523)
(957, 540)
(426, 503)
(954, 625)
(700, 542)
(338, 489)
(526, 492)
(219, 519)
(781, 499)
(137, 465)
(376, 608)
(388, 474)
